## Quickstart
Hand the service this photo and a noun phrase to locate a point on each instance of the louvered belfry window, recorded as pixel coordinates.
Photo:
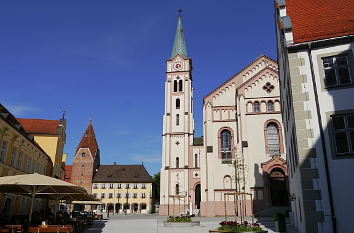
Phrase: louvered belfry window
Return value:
(273, 139)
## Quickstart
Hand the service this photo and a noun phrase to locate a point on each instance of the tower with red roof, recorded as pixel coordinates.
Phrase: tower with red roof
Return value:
(86, 160)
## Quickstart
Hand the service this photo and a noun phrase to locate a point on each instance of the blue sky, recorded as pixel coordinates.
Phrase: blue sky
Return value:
(106, 59)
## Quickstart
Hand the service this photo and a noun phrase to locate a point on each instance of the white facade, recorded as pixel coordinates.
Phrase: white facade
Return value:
(319, 164)
(203, 170)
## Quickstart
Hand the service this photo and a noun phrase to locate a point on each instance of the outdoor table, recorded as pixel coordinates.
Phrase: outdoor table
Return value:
(52, 228)
(4, 229)
(14, 228)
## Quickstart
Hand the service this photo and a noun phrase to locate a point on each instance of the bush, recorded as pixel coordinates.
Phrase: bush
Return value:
(279, 217)
(179, 219)
(234, 226)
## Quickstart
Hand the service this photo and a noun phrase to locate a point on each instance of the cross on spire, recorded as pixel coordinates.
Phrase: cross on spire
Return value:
(179, 12)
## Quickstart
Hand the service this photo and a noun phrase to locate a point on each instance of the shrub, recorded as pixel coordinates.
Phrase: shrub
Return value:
(234, 226)
(179, 219)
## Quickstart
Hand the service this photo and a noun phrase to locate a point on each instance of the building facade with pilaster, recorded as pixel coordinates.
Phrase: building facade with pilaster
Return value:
(315, 43)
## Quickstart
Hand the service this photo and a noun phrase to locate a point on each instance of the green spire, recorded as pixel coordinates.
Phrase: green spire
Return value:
(179, 46)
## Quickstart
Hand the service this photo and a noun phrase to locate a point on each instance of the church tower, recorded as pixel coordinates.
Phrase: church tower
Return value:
(178, 125)
(86, 160)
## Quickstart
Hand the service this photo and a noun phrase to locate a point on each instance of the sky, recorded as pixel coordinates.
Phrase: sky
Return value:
(107, 60)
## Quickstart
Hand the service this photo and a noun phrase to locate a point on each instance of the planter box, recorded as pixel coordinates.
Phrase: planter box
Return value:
(181, 224)
(238, 231)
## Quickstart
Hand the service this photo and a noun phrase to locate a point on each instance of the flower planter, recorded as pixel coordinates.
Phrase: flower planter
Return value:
(181, 224)
(238, 231)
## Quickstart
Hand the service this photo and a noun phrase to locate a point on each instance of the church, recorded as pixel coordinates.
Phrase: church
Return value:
(241, 122)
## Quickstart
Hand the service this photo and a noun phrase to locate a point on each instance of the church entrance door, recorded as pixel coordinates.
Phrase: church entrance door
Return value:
(278, 187)
(197, 196)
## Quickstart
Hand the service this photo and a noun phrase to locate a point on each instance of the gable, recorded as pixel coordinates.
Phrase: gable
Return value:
(264, 84)
(224, 95)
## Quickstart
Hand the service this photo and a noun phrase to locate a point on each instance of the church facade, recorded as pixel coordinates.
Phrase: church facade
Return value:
(241, 122)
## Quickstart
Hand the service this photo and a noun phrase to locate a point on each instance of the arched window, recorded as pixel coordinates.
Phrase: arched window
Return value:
(177, 189)
(177, 162)
(175, 86)
(177, 119)
(178, 103)
(225, 143)
(273, 139)
(256, 106)
(270, 106)
(180, 85)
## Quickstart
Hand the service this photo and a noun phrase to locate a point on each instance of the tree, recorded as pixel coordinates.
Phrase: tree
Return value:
(156, 188)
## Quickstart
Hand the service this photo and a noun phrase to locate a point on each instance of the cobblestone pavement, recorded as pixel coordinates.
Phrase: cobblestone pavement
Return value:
(154, 224)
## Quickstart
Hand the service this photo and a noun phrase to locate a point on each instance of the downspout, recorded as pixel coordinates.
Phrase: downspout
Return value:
(329, 187)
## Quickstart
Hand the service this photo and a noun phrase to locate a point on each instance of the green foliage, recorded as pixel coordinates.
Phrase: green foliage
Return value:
(279, 217)
(233, 226)
(179, 219)
(156, 187)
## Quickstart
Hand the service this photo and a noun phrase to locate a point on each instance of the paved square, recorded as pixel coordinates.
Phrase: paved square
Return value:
(154, 223)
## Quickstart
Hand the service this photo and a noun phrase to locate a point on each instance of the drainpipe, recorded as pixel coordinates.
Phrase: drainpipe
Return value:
(329, 187)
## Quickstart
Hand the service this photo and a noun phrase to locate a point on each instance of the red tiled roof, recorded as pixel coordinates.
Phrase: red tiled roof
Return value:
(89, 141)
(67, 174)
(320, 19)
(122, 173)
(39, 126)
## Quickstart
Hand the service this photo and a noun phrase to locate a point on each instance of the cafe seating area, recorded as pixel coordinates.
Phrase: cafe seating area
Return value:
(63, 222)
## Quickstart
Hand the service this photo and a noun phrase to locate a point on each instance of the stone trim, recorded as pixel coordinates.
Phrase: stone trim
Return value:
(309, 173)
(309, 194)
(300, 97)
(307, 153)
(314, 216)
(309, 206)
(304, 133)
(305, 163)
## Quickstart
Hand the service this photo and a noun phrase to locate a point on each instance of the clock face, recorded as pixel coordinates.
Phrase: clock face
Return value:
(177, 65)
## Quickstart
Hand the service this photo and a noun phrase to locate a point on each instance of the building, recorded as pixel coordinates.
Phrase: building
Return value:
(67, 174)
(315, 54)
(19, 154)
(50, 135)
(86, 160)
(123, 188)
(241, 120)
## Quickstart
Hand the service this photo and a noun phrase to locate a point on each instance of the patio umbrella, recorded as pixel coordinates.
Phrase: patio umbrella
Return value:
(85, 202)
(40, 186)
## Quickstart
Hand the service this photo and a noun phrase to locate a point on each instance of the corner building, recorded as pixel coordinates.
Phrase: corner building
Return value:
(315, 42)
(240, 117)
